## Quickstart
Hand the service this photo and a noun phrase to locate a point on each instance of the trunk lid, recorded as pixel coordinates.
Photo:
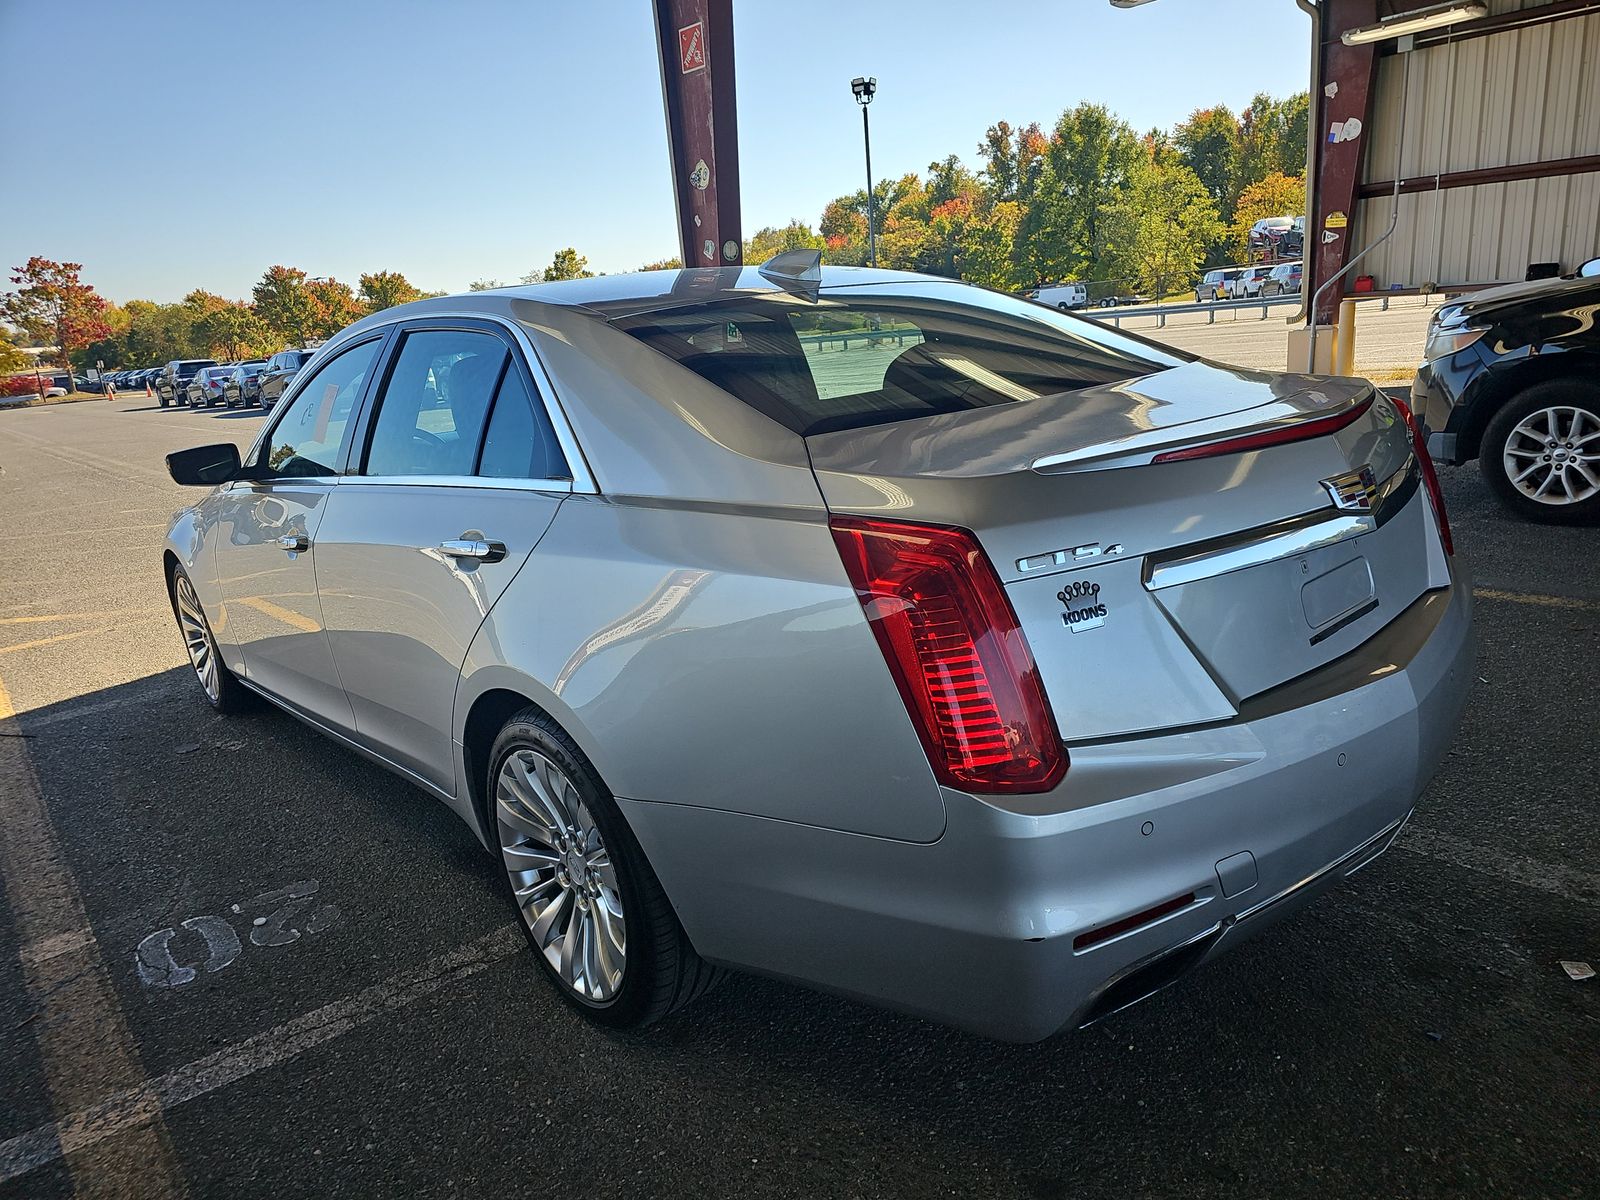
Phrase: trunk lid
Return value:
(1157, 595)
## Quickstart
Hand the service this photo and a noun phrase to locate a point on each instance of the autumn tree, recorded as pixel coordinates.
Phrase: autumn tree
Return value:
(1277, 195)
(333, 306)
(54, 306)
(664, 264)
(484, 285)
(228, 330)
(284, 303)
(567, 264)
(386, 289)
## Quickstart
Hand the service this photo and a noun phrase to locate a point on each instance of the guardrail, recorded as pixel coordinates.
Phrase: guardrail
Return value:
(1212, 307)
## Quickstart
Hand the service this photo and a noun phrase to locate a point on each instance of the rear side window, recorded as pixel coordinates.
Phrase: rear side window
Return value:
(849, 360)
(432, 412)
(519, 443)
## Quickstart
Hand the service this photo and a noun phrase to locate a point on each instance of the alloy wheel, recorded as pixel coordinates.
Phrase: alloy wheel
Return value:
(197, 637)
(1552, 455)
(562, 874)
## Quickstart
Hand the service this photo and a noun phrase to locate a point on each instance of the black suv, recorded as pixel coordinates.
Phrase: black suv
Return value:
(1511, 377)
(280, 370)
(172, 385)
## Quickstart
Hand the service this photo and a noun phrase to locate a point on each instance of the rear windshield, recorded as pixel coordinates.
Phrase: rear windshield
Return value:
(850, 360)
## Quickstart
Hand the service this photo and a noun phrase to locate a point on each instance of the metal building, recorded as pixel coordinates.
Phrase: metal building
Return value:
(1492, 126)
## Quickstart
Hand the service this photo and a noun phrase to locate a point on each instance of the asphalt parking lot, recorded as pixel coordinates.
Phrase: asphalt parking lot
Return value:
(370, 1022)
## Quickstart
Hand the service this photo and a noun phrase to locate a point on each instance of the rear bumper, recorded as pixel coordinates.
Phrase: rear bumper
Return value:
(1251, 819)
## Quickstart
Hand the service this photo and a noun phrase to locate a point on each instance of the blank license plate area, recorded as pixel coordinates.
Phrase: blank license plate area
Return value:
(1337, 593)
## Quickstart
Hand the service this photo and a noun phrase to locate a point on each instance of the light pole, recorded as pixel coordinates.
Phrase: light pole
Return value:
(865, 89)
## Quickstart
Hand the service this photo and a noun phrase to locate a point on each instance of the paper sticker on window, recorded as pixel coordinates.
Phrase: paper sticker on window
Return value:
(325, 412)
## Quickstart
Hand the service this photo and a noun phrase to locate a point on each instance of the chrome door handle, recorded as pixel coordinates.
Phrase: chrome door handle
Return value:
(481, 551)
(294, 543)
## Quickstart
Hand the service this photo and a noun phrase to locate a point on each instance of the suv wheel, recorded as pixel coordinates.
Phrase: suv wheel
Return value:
(597, 919)
(1541, 453)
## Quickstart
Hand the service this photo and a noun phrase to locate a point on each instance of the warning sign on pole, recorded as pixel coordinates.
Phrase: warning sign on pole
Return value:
(692, 48)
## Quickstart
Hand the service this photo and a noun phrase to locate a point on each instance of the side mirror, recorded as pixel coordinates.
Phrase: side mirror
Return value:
(1590, 269)
(204, 466)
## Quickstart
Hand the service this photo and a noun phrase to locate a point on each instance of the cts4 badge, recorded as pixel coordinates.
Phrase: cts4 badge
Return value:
(1083, 606)
(1354, 491)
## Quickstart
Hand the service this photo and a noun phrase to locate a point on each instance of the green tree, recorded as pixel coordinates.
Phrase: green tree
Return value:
(986, 243)
(666, 264)
(386, 289)
(796, 235)
(284, 302)
(1277, 195)
(999, 153)
(1161, 225)
(53, 305)
(1210, 144)
(1091, 155)
(567, 264)
(484, 285)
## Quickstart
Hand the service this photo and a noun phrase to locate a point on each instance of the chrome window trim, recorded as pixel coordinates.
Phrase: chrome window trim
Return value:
(582, 477)
(582, 480)
(562, 487)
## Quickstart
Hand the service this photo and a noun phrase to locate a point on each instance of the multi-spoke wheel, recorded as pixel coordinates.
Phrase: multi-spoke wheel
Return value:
(1541, 452)
(562, 875)
(589, 902)
(223, 691)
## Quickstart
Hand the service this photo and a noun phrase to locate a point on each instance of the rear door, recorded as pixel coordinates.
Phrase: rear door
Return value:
(454, 478)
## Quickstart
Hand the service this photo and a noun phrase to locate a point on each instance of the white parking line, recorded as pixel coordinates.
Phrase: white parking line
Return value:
(1582, 887)
(131, 1107)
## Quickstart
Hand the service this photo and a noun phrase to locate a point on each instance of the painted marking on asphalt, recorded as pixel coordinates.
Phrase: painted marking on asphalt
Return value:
(51, 641)
(1535, 598)
(1582, 887)
(126, 1109)
(278, 613)
(54, 947)
(119, 613)
(84, 1045)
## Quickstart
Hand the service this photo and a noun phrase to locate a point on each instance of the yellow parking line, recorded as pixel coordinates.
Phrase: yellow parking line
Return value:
(278, 613)
(50, 641)
(78, 616)
(1534, 598)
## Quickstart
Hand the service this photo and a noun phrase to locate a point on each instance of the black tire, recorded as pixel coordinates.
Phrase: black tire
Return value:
(161, 401)
(232, 697)
(662, 972)
(1554, 393)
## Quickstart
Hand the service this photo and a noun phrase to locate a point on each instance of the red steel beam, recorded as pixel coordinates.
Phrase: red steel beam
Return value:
(1347, 71)
(1549, 169)
(695, 41)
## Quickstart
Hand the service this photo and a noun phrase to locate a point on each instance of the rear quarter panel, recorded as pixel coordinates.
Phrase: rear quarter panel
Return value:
(715, 657)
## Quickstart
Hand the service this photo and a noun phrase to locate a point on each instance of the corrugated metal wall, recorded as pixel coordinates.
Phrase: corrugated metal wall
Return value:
(1526, 95)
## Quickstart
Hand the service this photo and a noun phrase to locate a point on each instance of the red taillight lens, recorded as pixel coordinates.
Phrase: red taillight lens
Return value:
(956, 652)
(1430, 477)
(1301, 432)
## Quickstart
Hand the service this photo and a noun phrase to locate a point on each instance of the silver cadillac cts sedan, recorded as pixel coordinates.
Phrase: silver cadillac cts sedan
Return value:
(868, 630)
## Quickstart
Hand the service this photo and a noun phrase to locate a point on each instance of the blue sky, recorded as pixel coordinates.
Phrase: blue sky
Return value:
(471, 139)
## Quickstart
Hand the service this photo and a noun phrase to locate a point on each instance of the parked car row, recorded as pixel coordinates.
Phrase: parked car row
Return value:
(1278, 237)
(1248, 283)
(204, 382)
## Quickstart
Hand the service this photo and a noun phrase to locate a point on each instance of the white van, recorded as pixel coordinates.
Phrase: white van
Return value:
(1064, 296)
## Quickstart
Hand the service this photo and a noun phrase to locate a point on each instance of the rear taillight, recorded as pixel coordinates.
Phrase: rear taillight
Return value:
(1300, 432)
(1430, 477)
(956, 652)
